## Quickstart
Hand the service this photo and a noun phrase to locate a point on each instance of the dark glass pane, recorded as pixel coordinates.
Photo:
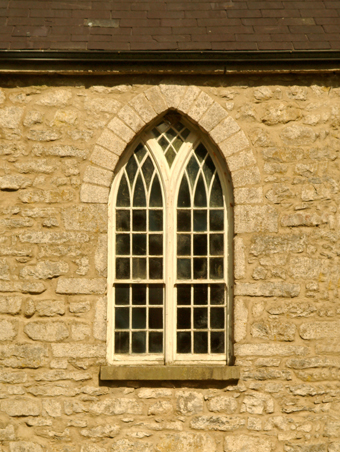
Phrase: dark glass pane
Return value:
(155, 268)
(121, 342)
(177, 143)
(200, 220)
(200, 193)
(148, 169)
(123, 220)
(216, 268)
(138, 318)
(138, 268)
(201, 152)
(217, 294)
(183, 245)
(183, 220)
(208, 169)
(216, 220)
(170, 134)
(183, 342)
(156, 193)
(155, 132)
(139, 244)
(155, 244)
(123, 244)
(200, 245)
(183, 269)
(155, 342)
(178, 126)
(201, 294)
(122, 268)
(200, 268)
(139, 342)
(140, 152)
(192, 170)
(155, 318)
(155, 294)
(183, 318)
(217, 318)
(216, 197)
(155, 220)
(163, 142)
(139, 199)
(183, 294)
(131, 169)
(185, 133)
(170, 156)
(122, 318)
(122, 292)
(138, 294)
(217, 342)
(216, 244)
(139, 220)
(184, 194)
(200, 342)
(200, 318)
(123, 196)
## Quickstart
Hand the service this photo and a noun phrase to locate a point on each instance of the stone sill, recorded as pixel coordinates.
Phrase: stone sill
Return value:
(219, 373)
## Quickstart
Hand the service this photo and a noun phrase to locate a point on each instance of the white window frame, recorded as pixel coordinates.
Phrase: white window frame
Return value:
(170, 179)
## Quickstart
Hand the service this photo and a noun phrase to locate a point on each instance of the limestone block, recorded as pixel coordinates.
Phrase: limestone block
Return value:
(52, 331)
(2, 97)
(150, 393)
(10, 377)
(57, 375)
(57, 98)
(301, 219)
(124, 445)
(102, 105)
(267, 289)
(257, 403)
(302, 267)
(247, 443)
(7, 433)
(46, 166)
(99, 176)
(173, 93)
(99, 324)
(22, 287)
(298, 135)
(200, 106)
(8, 329)
(160, 407)
(240, 320)
(263, 93)
(50, 308)
(104, 158)
(219, 423)
(250, 218)
(155, 97)
(43, 135)
(79, 307)
(143, 107)
(224, 130)
(85, 218)
(100, 257)
(234, 144)
(223, 404)
(53, 237)
(318, 447)
(10, 117)
(52, 407)
(110, 407)
(191, 95)
(33, 117)
(313, 362)
(185, 442)
(320, 330)
(45, 270)
(131, 118)
(270, 350)
(274, 329)
(213, 117)
(121, 130)
(80, 351)
(280, 113)
(14, 182)
(189, 402)
(94, 194)
(25, 446)
(248, 195)
(61, 150)
(21, 356)
(245, 177)
(92, 448)
(48, 196)
(21, 407)
(81, 286)
(10, 305)
(241, 160)
(102, 431)
(111, 142)
(80, 331)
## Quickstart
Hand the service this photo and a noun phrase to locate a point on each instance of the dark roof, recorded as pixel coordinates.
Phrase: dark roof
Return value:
(191, 25)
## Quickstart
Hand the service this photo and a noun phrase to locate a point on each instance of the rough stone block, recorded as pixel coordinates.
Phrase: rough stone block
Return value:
(57, 98)
(270, 350)
(240, 319)
(185, 442)
(320, 330)
(45, 270)
(301, 219)
(10, 305)
(150, 393)
(10, 117)
(110, 407)
(241, 160)
(52, 331)
(143, 107)
(189, 402)
(250, 218)
(98, 176)
(219, 423)
(102, 431)
(91, 218)
(242, 443)
(245, 177)
(267, 289)
(34, 288)
(58, 195)
(94, 194)
(298, 135)
(7, 433)
(14, 182)
(8, 329)
(104, 158)
(224, 130)
(248, 195)
(111, 142)
(223, 404)
(99, 324)
(80, 351)
(21, 407)
(131, 118)
(239, 258)
(81, 286)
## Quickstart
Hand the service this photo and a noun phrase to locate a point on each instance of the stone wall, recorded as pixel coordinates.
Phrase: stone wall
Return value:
(59, 144)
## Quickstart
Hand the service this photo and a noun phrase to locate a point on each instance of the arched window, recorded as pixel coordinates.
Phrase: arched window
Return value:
(170, 250)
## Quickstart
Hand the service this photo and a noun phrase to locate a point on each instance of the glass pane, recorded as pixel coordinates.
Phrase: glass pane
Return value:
(123, 220)
(156, 244)
(148, 169)
(200, 193)
(200, 318)
(122, 268)
(177, 143)
(183, 268)
(138, 318)
(131, 169)
(183, 342)
(155, 342)
(122, 292)
(139, 342)
(123, 195)
(163, 142)
(216, 244)
(121, 342)
(200, 268)
(139, 244)
(216, 268)
(200, 245)
(217, 342)
(184, 194)
(155, 318)
(208, 170)
(122, 318)
(201, 294)
(183, 294)
(183, 244)
(183, 220)
(139, 199)
(201, 152)
(139, 220)
(170, 156)
(192, 170)
(170, 134)
(155, 294)
(156, 193)
(156, 268)
(217, 318)
(123, 244)
(216, 197)
(200, 342)
(140, 152)
(138, 294)
(185, 133)
(183, 318)
(216, 220)
(138, 268)
(200, 220)
(217, 294)
(155, 220)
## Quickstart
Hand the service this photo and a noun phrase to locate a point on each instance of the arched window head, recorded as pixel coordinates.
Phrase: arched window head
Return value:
(170, 247)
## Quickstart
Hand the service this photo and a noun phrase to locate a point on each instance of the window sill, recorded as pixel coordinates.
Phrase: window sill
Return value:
(219, 373)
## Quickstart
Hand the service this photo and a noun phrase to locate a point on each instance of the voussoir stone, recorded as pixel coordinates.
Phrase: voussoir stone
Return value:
(52, 331)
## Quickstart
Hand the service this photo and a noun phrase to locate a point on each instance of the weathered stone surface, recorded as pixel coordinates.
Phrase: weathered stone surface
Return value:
(37, 166)
(99, 176)
(14, 182)
(43, 134)
(186, 442)
(301, 219)
(28, 287)
(47, 196)
(255, 219)
(23, 355)
(94, 194)
(10, 305)
(52, 331)
(102, 105)
(143, 107)
(102, 431)
(85, 218)
(319, 447)
(172, 93)
(298, 135)
(92, 448)
(50, 308)
(274, 329)
(270, 350)
(81, 286)
(130, 118)
(79, 307)
(199, 107)
(219, 423)
(99, 324)
(80, 351)
(213, 117)
(57, 98)
(150, 393)
(104, 158)
(248, 195)
(25, 446)
(271, 244)
(10, 117)
(59, 151)
(189, 402)
(56, 375)
(240, 319)
(247, 443)
(223, 404)
(45, 270)
(234, 144)
(115, 406)
(21, 407)
(7, 433)
(267, 289)
(7, 376)
(161, 407)
(257, 403)
(124, 445)
(8, 329)
(320, 330)
(52, 407)
(243, 177)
